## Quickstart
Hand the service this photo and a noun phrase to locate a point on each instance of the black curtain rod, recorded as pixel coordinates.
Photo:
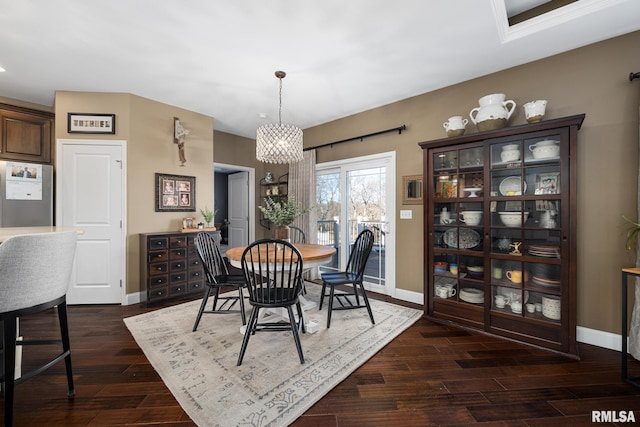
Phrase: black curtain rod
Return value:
(398, 129)
(633, 76)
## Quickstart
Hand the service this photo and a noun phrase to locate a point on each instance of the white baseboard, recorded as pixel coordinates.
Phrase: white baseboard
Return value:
(600, 338)
(136, 298)
(409, 296)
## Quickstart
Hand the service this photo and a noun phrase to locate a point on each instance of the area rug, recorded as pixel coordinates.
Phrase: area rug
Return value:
(271, 387)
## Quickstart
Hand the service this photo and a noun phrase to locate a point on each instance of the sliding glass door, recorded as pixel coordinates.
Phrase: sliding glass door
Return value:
(353, 195)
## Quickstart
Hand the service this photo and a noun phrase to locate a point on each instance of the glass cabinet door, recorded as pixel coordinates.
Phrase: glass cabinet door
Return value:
(457, 262)
(526, 239)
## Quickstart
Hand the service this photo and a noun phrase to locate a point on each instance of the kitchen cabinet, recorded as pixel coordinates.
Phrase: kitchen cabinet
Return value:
(26, 135)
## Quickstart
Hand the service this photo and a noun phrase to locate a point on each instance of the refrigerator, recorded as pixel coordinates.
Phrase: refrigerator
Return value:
(26, 194)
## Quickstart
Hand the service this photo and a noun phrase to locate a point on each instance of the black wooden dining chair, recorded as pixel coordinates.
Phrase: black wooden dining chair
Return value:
(353, 275)
(296, 235)
(218, 277)
(273, 272)
(35, 271)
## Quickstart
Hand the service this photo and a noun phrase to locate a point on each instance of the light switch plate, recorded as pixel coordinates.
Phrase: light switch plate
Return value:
(406, 214)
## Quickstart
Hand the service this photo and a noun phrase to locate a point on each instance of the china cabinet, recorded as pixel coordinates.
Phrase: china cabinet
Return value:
(500, 232)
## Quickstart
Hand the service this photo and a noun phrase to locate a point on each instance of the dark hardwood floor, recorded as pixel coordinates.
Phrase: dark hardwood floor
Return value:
(429, 375)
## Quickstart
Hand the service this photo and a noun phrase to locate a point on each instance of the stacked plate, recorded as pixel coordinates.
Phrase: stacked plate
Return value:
(472, 295)
(544, 251)
(545, 275)
(545, 283)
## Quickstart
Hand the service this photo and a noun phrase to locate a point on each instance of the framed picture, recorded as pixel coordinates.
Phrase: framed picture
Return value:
(175, 193)
(548, 183)
(412, 190)
(91, 123)
(189, 223)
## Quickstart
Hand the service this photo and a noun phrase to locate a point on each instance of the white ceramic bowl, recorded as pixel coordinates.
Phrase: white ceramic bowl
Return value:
(510, 155)
(511, 147)
(513, 219)
(545, 149)
(471, 217)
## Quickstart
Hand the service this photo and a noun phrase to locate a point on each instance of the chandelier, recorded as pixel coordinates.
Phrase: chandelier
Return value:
(277, 142)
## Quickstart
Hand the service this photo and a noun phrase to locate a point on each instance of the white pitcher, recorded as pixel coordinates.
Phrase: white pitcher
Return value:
(493, 112)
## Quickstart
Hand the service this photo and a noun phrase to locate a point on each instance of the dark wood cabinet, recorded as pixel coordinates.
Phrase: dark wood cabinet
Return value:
(500, 232)
(27, 135)
(170, 266)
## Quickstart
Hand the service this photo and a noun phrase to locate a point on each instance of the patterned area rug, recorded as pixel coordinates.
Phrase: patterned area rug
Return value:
(271, 387)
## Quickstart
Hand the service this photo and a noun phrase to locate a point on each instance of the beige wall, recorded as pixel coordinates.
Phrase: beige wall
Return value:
(591, 80)
(147, 127)
(239, 151)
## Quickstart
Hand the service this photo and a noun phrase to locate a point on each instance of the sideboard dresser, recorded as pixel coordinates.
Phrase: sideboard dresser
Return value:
(170, 266)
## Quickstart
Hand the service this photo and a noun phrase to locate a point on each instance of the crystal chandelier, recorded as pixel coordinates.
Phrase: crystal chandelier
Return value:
(277, 142)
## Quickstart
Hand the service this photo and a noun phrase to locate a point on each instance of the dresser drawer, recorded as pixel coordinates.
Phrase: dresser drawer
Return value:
(160, 280)
(175, 254)
(156, 256)
(158, 243)
(158, 293)
(196, 286)
(158, 268)
(195, 274)
(178, 265)
(180, 276)
(178, 289)
(195, 262)
(178, 242)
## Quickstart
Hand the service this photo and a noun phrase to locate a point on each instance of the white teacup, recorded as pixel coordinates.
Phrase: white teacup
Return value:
(471, 217)
(442, 292)
(501, 301)
(516, 306)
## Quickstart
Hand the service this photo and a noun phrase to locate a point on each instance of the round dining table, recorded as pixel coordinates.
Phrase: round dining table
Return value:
(313, 256)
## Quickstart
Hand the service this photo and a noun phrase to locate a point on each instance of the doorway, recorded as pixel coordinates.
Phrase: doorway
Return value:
(353, 195)
(235, 206)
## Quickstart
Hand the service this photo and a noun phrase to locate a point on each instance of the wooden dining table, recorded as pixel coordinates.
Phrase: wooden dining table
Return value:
(313, 256)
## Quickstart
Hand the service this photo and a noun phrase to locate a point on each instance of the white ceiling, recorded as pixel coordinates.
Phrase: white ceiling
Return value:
(218, 57)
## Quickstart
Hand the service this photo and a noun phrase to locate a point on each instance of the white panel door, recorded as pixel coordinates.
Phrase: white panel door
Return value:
(90, 197)
(238, 188)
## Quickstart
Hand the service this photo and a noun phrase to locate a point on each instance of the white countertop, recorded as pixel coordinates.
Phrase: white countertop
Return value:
(6, 232)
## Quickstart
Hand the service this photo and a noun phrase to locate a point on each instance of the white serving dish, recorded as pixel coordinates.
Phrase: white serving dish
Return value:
(469, 238)
(512, 186)
(513, 219)
(545, 149)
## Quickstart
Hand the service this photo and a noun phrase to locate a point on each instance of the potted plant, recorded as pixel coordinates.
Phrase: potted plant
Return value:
(281, 213)
(632, 233)
(208, 215)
